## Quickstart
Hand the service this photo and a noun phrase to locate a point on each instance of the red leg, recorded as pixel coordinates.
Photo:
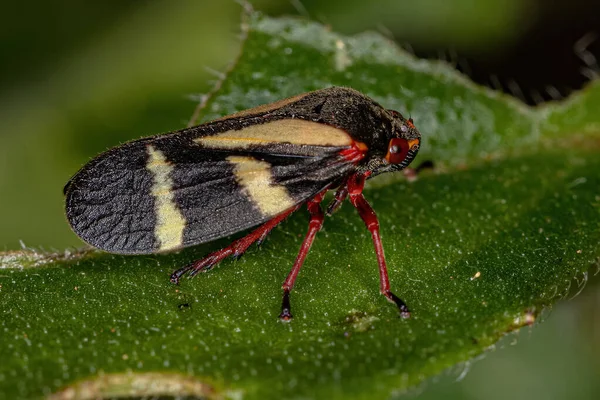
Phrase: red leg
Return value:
(314, 226)
(338, 198)
(235, 249)
(356, 184)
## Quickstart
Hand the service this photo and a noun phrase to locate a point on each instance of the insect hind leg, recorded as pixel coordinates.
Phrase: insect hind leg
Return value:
(235, 249)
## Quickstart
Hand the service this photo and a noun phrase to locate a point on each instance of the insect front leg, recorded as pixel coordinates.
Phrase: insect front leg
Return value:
(356, 184)
(338, 198)
(314, 226)
(235, 249)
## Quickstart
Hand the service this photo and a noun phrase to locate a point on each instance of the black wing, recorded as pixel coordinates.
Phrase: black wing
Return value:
(202, 183)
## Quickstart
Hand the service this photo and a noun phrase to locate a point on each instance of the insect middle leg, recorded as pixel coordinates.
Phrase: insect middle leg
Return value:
(355, 187)
(235, 249)
(314, 226)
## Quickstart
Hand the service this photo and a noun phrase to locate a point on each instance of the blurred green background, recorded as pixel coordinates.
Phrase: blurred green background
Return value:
(79, 77)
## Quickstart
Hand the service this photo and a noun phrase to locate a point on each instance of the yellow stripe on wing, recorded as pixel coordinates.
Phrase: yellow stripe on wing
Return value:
(254, 176)
(170, 222)
(294, 131)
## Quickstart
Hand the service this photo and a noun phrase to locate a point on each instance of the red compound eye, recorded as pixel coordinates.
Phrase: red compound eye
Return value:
(399, 148)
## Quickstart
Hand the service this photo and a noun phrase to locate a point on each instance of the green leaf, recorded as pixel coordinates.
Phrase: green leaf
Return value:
(478, 248)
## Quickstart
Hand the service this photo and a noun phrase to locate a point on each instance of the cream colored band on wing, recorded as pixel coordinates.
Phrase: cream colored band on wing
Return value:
(169, 219)
(294, 131)
(255, 178)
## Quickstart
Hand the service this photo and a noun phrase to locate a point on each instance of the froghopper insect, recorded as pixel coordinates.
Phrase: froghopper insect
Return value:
(250, 169)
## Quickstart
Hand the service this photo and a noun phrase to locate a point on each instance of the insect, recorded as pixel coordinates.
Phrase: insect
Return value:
(252, 168)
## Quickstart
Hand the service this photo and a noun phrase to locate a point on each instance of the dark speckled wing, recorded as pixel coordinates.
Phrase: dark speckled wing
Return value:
(109, 204)
(169, 192)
